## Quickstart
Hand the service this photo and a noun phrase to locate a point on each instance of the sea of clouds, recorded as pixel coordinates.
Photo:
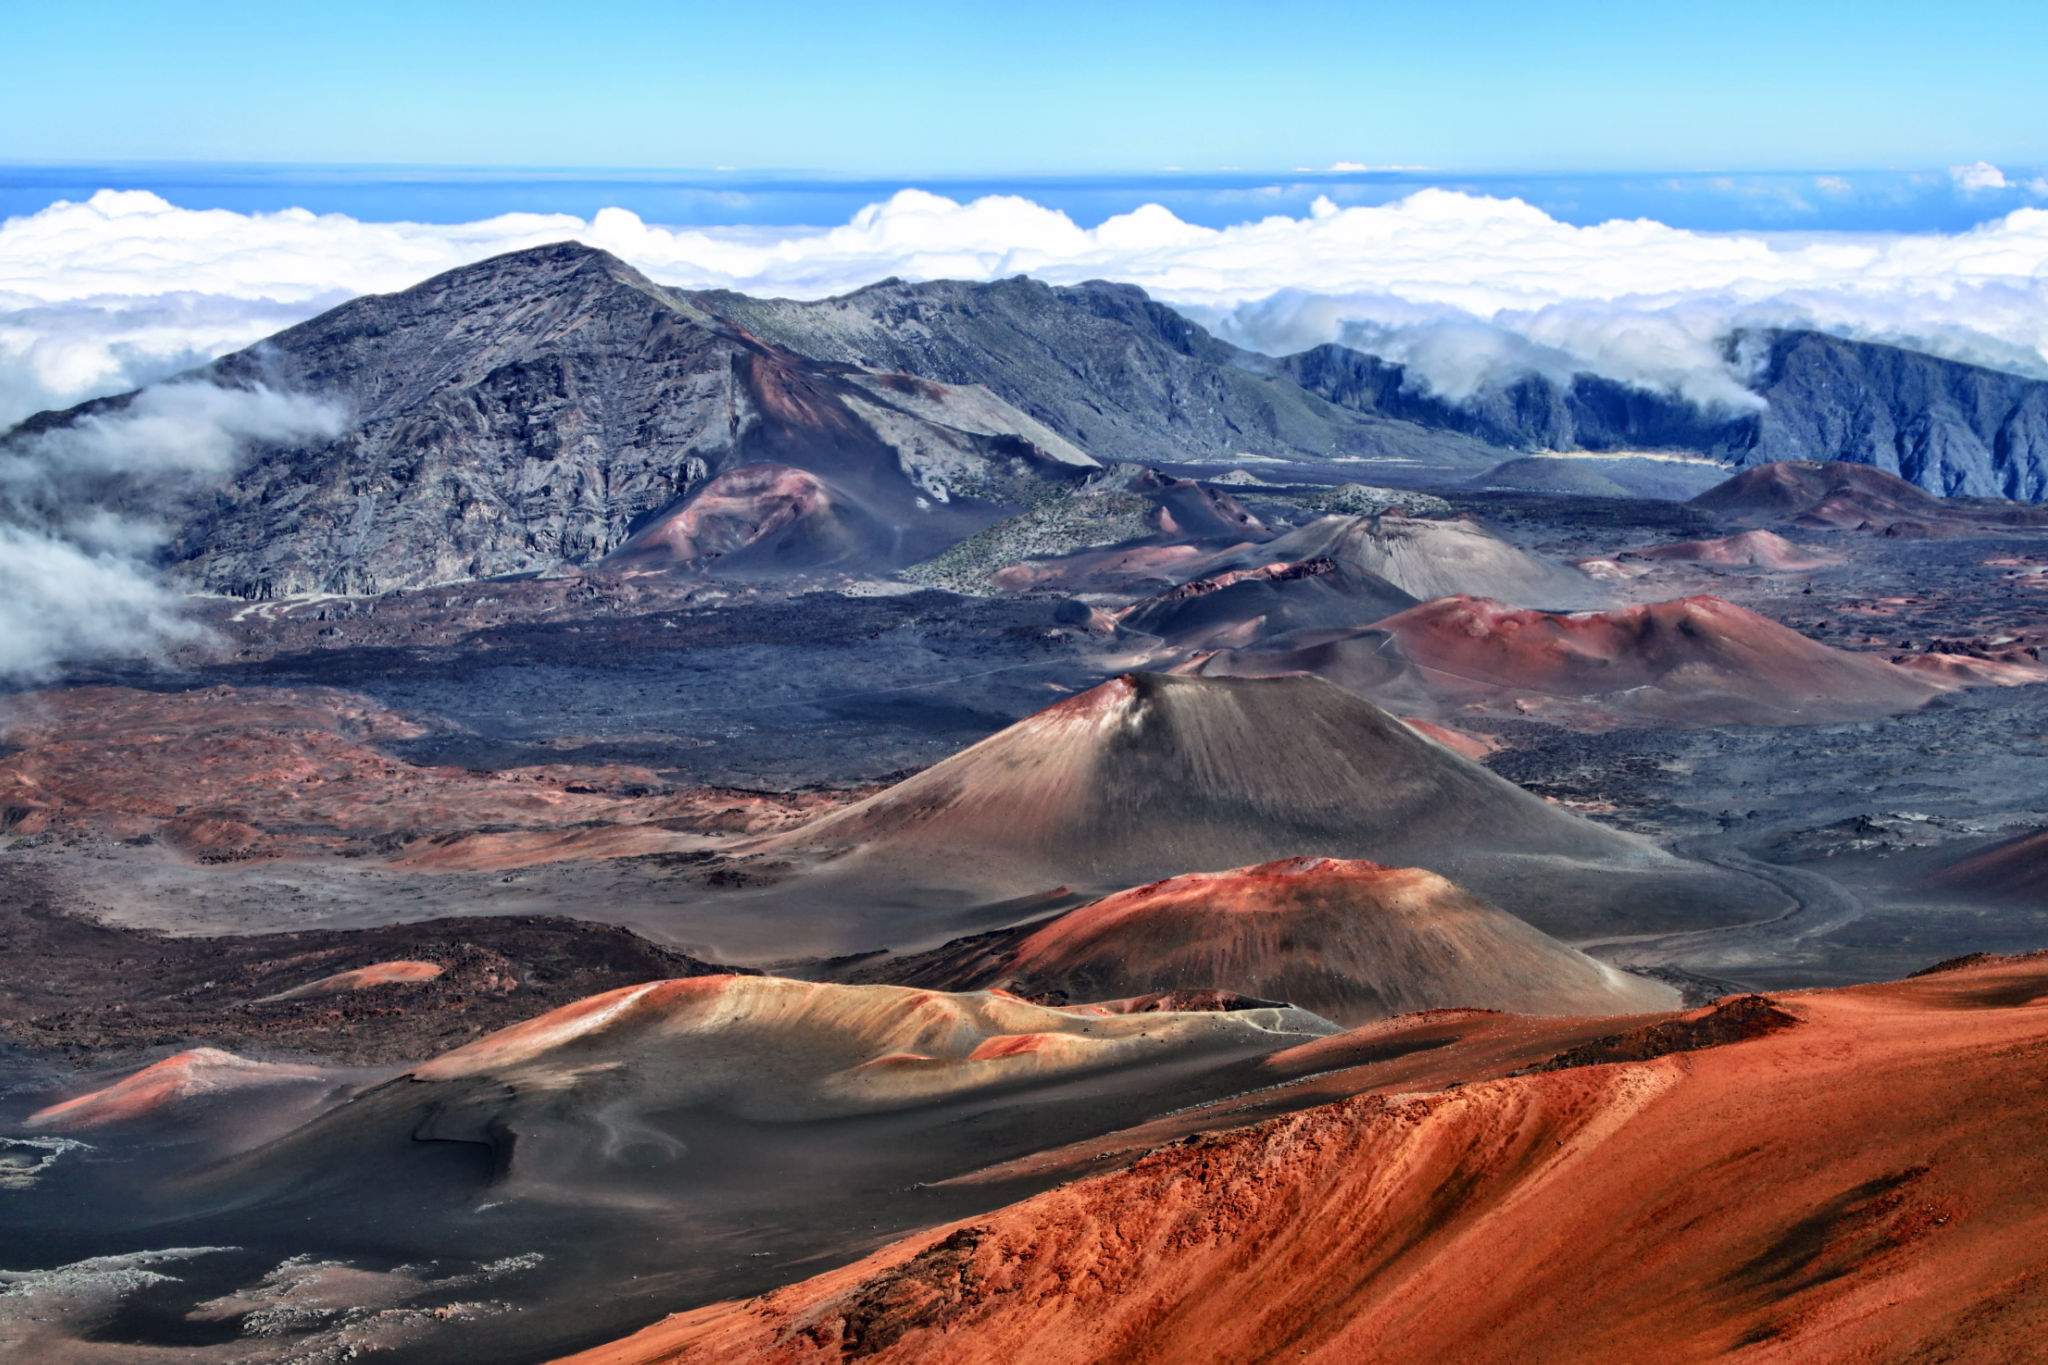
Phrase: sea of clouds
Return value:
(125, 290)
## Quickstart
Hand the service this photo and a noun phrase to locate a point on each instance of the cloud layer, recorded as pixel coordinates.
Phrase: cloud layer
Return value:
(75, 539)
(125, 288)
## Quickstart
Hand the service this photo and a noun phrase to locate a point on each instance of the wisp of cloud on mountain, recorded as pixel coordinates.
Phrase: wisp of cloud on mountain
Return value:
(75, 542)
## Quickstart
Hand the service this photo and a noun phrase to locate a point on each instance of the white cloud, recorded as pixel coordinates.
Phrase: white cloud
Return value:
(60, 601)
(1977, 177)
(76, 525)
(125, 288)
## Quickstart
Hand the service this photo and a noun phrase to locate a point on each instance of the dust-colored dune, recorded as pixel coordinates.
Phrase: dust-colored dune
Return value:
(1695, 660)
(1744, 550)
(612, 1089)
(1963, 665)
(1866, 1184)
(1830, 494)
(1350, 940)
(1148, 776)
(1427, 559)
(771, 1049)
(2011, 868)
(1855, 497)
(156, 1091)
(1242, 606)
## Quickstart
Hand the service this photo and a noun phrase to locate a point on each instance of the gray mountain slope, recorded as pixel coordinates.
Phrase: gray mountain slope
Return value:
(1123, 377)
(530, 411)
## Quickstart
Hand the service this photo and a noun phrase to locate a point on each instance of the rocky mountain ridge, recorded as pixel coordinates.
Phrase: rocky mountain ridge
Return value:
(531, 412)
(537, 411)
(1949, 428)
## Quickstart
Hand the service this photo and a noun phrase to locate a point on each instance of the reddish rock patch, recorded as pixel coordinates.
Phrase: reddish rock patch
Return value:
(155, 1091)
(1699, 660)
(1748, 550)
(230, 774)
(1350, 940)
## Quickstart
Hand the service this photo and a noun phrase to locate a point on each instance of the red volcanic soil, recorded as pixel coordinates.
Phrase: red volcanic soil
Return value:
(733, 511)
(2001, 668)
(1474, 747)
(1746, 550)
(767, 517)
(1350, 940)
(2016, 867)
(155, 1090)
(363, 978)
(1831, 495)
(1857, 497)
(1698, 660)
(228, 774)
(1865, 1184)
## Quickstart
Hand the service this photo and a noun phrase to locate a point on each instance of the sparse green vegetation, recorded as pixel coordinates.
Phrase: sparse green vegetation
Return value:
(1059, 525)
(1361, 499)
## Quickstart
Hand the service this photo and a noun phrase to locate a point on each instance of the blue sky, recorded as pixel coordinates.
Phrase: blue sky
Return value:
(918, 89)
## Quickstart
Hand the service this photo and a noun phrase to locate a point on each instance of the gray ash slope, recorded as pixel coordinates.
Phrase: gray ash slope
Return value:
(531, 411)
(1149, 776)
(1122, 376)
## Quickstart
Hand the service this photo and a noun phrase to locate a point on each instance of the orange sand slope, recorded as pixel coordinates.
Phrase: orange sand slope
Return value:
(1868, 1183)
(763, 515)
(1747, 550)
(2016, 867)
(1350, 940)
(772, 1049)
(1695, 659)
(1856, 497)
(403, 973)
(1813, 493)
(155, 1091)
